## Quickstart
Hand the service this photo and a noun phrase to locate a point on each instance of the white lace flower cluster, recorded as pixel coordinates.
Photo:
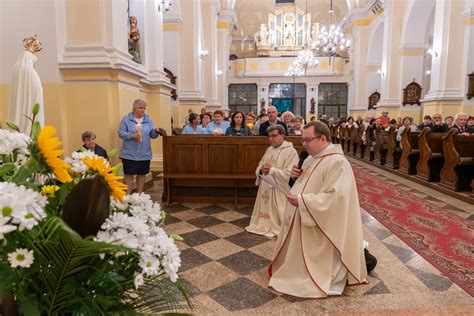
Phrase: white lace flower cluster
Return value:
(76, 161)
(135, 225)
(20, 208)
(11, 142)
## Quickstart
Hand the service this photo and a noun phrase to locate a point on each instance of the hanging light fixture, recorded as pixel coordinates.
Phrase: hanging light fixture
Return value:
(305, 59)
(330, 40)
(164, 5)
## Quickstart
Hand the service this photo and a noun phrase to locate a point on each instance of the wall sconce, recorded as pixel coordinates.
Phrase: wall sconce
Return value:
(432, 53)
(263, 89)
(428, 72)
(203, 54)
(381, 73)
(164, 5)
(219, 72)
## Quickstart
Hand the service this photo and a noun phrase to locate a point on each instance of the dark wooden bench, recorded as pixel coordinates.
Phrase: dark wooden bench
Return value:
(354, 137)
(333, 130)
(410, 152)
(458, 169)
(380, 151)
(369, 154)
(360, 148)
(342, 137)
(431, 155)
(393, 149)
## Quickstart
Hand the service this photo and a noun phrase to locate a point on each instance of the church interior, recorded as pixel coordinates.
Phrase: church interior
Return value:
(393, 81)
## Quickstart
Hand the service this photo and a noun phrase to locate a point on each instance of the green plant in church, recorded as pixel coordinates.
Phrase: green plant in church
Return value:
(71, 242)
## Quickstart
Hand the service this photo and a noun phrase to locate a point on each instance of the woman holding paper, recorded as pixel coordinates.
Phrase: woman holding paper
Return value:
(136, 131)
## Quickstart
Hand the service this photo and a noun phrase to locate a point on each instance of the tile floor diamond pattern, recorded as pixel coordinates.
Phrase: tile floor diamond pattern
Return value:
(226, 268)
(244, 262)
(241, 294)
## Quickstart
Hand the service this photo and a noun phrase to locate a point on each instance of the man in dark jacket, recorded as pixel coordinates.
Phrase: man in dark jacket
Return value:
(272, 114)
(88, 138)
(437, 125)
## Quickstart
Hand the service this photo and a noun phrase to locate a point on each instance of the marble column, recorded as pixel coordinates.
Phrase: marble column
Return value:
(445, 93)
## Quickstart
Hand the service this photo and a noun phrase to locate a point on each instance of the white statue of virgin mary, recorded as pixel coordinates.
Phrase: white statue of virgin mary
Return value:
(26, 87)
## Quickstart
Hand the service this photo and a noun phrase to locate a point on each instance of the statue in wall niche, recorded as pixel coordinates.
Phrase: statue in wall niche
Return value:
(26, 88)
(134, 40)
(262, 102)
(313, 106)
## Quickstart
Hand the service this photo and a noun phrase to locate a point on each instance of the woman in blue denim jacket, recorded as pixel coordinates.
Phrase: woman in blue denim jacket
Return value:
(136, 131)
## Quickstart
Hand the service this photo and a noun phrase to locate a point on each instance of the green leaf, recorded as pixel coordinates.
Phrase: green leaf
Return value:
(36, 109)
(117, 170)
(35, 130)
(29, 306)
(163, 216)
(12, 125)
(24, 172)
(176, 237)
(7, 277)
(7, 168)
(112, 153)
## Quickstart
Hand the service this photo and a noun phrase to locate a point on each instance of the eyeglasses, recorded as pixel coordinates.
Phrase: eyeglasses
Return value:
(436, 117)
(308, 140)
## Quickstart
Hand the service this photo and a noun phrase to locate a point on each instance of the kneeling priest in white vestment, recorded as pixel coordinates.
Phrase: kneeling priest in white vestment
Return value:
(320, 246)
(272, 171)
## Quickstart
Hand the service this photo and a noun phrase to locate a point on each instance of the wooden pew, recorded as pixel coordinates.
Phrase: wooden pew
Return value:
(342, 137)
(393, 149)
(348, 136)
(410, 152)
(380, 151)
(333, 130)
(458, 169)
(354, 136)
(431, 155)
(369, 155)
(212, 169)
(360, 148)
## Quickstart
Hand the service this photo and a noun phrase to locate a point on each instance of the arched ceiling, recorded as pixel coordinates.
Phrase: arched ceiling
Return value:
(251, 13)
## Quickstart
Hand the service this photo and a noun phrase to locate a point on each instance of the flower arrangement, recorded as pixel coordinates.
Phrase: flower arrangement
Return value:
(72, 242)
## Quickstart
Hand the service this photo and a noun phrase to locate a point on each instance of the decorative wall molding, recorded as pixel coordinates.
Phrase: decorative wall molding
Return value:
(277, 66)
(447, 94)
(99, 56)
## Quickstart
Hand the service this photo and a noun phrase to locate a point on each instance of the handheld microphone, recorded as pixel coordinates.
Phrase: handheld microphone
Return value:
(303, 155)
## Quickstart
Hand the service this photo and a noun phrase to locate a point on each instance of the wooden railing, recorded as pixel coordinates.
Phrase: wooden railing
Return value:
(213, 169)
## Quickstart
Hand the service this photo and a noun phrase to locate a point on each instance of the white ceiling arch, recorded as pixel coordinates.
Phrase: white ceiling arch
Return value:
(375, 48)
(415, 26)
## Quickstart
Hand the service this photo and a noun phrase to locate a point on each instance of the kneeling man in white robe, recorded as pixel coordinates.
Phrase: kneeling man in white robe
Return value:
(273, 170)
(320, 247)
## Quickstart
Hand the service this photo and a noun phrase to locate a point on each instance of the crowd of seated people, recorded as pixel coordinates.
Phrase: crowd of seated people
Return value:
(248, 124)
(463, 122)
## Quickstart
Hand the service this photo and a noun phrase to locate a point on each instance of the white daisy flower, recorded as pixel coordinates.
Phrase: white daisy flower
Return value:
(4, 227)
(13, 142)
(21, 257)
(24, 206)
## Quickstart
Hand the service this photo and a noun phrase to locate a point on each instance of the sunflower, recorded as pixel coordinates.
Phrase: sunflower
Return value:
(48, 145)
(103, 168)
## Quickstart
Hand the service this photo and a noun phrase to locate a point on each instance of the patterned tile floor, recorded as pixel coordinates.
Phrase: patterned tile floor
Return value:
(225, 267)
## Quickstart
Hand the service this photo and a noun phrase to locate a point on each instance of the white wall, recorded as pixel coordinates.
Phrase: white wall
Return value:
(24, 18)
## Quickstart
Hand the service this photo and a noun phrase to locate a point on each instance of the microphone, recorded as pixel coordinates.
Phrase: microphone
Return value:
(303, 155)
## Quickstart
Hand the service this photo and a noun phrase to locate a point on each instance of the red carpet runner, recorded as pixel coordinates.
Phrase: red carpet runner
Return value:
(442, 238)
